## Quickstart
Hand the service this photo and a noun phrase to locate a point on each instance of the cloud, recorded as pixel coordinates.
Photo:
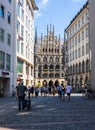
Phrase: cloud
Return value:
(41, 5)
(38, 14)
(45, 1)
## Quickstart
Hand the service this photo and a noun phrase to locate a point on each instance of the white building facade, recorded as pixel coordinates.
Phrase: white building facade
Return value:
(78, 52)
(7, 61)
(25, 41)
(16, 44)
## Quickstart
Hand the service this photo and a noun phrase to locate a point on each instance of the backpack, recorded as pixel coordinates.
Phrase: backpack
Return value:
(21, 91)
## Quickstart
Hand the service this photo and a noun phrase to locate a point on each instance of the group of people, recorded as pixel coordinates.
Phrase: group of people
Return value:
(22, 90)
(62, 90)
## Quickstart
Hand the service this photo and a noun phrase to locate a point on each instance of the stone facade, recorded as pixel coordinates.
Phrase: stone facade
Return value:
(49, 59)
(78, 52)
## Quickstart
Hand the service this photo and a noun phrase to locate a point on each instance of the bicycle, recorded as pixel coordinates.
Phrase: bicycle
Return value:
(89, 94)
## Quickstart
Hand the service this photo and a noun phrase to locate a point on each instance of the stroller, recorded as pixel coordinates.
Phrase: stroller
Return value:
(27, 101)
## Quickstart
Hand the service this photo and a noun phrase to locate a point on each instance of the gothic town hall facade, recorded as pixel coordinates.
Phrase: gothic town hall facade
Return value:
(48, 59)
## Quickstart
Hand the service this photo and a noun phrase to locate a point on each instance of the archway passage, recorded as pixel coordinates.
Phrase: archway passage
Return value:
(51, 83)
(56, 83)
(87, 81)
(50, 86)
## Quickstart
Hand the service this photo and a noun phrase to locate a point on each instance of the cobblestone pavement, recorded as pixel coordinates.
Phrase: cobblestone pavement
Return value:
(48, 113)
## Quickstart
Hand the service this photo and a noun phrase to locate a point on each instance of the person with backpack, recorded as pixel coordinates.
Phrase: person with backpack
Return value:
(20, 90)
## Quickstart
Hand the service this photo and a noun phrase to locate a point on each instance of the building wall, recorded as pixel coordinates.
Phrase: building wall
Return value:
(77, 50)
(49, 54)
(12, 71)
(92, 39)
(6, 72)
(25, 42)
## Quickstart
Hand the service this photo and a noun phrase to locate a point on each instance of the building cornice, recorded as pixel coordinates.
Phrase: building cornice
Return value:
(84, 6)
(34, 5)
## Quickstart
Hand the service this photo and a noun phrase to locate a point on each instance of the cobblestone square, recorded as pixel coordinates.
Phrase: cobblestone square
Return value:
(48, 113)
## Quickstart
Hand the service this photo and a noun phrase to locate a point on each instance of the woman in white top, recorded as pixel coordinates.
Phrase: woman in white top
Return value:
(68, 91)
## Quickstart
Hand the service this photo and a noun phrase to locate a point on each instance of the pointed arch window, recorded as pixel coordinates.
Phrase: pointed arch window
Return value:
(57, 67)
(51, 67)
(51, 75)
(45, 75)
(87, 66)
(70, 69)
(57, 60)
(79, 67)
(44, 59)
(83, 66)
(76, 68)
(73, 69)
(45, 67)
(57, 75)
(62, 60)
(51, 59)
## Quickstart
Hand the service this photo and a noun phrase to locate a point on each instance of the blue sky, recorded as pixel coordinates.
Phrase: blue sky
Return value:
(56, 12)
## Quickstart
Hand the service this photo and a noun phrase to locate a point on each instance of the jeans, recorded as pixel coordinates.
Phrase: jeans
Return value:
(20, 102)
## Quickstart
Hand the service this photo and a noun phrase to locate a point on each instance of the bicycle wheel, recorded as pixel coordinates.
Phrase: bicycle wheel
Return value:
(90, 96)
(85, 96)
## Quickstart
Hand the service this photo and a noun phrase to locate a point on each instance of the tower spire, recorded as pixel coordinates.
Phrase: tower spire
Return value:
(36, 35)
(53, 31)
(50, 27)
(41, 39)
(59, 39)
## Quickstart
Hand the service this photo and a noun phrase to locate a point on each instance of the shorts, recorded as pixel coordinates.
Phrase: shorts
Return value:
(63, 92)
(68, 94)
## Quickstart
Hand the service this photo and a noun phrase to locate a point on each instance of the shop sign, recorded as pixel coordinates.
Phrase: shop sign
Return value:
(5, 74)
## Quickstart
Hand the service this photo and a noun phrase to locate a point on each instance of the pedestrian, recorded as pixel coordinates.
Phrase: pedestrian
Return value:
(42, 90)
(63, 93)
(45, 91)
(32, 90)
(59, 88)
(68, 91)
(28, 91)
(54, 90)
(36, 91)
(49, 89)
(20, 91)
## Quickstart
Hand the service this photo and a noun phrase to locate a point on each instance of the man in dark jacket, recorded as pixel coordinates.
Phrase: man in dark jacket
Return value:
(20, 89)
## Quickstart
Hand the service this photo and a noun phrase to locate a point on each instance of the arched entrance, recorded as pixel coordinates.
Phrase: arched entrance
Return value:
(56, 83)
(50, 86)
(76, 85)
(51, 83)
(87, 81)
